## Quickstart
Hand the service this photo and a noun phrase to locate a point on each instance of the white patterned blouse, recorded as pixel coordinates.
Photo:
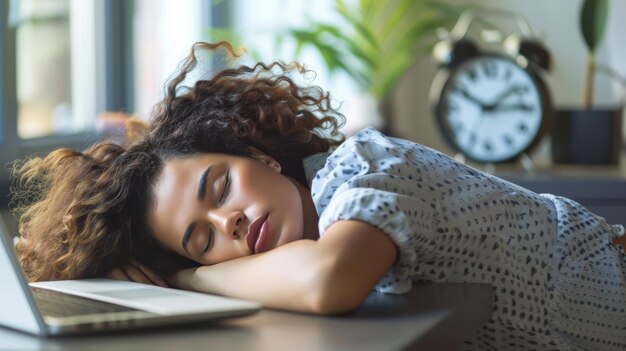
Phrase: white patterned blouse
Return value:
(559, 282)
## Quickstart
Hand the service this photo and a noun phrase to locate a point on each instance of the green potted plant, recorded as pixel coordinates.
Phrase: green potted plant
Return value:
(376, 42)
(591, 134)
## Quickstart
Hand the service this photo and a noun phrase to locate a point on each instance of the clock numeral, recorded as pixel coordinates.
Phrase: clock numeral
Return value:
(524, 89)
(473, 138)
(508, 140)
(522, 127)
(472, 74)
(459, 87)
(488, 146)
(490, 68)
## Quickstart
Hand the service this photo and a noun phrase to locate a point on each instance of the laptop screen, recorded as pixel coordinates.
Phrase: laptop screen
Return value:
(16, 302)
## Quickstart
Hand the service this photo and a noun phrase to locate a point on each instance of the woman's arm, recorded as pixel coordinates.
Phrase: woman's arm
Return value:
(331, 275)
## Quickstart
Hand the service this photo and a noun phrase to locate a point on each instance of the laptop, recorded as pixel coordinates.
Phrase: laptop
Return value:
(95, 305)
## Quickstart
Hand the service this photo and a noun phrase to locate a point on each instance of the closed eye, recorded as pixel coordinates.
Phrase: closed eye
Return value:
(210, 233)
(209, 242)
(225, 188)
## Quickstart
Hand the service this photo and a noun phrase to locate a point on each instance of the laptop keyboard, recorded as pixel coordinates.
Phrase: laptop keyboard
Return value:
(57, 304)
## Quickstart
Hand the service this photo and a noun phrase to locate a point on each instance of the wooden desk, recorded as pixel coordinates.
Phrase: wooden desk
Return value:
(430, 317)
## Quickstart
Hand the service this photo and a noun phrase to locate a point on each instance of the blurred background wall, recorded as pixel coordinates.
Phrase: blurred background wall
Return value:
(64, 62)
(556, 23)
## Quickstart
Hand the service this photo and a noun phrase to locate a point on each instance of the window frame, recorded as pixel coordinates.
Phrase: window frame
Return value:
(113, 42)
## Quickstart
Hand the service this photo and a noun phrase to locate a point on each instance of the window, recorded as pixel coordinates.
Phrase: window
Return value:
(56, 74)
(62, 62)
(44, 84)
(164, 31)
(55, 59)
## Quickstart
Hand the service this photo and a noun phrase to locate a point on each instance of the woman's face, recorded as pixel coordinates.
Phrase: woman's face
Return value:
(214, 207)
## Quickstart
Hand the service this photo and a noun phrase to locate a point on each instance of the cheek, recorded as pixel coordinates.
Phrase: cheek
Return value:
(263, 189)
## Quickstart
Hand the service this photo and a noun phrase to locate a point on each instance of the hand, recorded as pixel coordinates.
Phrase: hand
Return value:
(136, 272)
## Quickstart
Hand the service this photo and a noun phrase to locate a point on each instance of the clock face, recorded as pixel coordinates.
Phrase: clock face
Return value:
(491, 109)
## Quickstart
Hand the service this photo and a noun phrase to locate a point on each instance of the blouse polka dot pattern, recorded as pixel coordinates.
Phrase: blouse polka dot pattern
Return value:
(559, 283)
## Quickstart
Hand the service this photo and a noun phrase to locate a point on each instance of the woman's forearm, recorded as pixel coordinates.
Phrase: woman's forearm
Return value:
(333, 274)
(283, 278)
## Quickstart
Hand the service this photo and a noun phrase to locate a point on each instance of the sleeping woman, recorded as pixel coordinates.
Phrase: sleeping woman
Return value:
(243, 186)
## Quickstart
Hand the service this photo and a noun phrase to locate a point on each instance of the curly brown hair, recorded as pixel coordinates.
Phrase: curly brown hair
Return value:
(81, 214)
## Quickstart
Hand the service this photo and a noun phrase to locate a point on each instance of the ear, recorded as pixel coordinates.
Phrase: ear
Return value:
(265, 159)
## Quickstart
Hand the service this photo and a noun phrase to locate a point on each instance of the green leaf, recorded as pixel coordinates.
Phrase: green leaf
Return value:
(375, 42)
(360, 24)
(421, 31)
(593, 19)
(394, 74)
(373, 12)
(397, 14)
(349, 43)
(449, 10)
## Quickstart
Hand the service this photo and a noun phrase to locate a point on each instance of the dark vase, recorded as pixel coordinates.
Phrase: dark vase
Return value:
(386, 110)
(592, 137)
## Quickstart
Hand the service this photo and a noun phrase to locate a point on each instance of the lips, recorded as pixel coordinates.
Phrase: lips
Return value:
(253, 232)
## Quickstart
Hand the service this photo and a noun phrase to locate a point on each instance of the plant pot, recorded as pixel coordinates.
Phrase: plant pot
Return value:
(592, 137)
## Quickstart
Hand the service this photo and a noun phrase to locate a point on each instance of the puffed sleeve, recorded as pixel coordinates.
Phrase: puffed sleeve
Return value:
(386, 211)
(369, 179)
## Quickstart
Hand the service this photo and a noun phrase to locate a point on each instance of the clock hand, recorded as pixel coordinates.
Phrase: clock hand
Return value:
(522, 107)
(515, 89)
(471, 97)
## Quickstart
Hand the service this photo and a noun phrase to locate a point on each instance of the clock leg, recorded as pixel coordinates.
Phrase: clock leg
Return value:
(460, 157)
(490, 168)
(527, 164)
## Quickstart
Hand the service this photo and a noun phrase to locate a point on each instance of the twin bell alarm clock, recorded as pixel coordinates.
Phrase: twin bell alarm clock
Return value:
(491, 106)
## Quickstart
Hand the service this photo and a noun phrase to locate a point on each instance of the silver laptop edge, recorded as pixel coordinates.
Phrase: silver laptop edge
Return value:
(17, 304)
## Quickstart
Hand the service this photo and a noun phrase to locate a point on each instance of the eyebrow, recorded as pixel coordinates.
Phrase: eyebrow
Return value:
(202, 182)
(201, 194)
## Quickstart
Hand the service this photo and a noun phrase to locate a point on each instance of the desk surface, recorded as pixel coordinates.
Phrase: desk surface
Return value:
(430, 317)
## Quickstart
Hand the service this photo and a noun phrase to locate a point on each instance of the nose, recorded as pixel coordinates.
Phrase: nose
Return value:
(229, 223)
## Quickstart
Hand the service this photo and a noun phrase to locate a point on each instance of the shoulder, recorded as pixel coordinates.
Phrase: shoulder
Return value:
(366, 147)
(367, 161)
(370, 137)
(371, 144)
(371, 153)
